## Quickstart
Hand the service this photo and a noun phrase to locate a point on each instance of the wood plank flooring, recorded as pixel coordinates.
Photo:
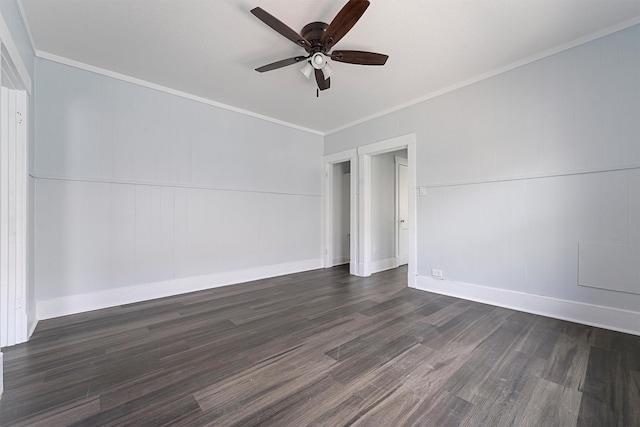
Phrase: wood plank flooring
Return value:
(320, 348)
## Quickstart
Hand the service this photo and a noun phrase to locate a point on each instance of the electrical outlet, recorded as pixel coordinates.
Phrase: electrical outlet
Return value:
(436, 273)
(18, 304)
(422, 191)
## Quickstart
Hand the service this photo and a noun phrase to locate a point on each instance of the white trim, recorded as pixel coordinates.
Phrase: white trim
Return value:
(13, 217)
(1, 374)
(14, 56)
(533, 58)
(10, 78)
(535, 176)
(341, 156)
(589, 314)
(387, 145)
(413, 213)
(32, 329)
(365, 152)
(364, 215)
(21, 214)
(79, 303)
(166, 184)
(354, 240)
(5, 300)
(144, 83)
(341, 261)
(382, 265)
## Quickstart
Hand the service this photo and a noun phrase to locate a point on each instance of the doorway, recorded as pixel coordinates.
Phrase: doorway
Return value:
(367, 225)
(341, 183)
(341, 210)
(386, 195)
(360, 207)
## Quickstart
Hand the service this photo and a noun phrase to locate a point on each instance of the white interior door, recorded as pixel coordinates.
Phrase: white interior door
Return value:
(402, 212)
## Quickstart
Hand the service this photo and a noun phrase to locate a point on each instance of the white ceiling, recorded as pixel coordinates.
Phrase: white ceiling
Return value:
(209, 48)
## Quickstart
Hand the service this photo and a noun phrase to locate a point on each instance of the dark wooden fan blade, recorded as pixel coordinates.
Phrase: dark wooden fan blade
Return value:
(359, 57)
(343, 22)
(322, 83)
(280, 64)
(280, 27)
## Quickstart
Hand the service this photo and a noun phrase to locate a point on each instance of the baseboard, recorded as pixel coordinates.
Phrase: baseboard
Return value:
(32, 328)
(73, 304)
(341, 261)
(360, 270)
(1, 374)
(589, 314)
(383, 264)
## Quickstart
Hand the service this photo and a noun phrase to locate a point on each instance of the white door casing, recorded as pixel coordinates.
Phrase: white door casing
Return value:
(13, 187)
(13, 217)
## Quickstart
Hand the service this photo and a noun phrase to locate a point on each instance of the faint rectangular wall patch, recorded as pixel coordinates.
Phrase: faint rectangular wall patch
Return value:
(613, 267)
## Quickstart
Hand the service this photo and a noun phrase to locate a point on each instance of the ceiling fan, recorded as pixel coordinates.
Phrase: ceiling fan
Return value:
(318, 38)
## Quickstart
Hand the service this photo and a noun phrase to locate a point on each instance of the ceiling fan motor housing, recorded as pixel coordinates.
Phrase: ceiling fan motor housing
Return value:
(313, 32)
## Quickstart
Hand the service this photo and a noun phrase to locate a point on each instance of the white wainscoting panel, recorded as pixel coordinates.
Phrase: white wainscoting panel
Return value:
(81, 302)
(100, 236)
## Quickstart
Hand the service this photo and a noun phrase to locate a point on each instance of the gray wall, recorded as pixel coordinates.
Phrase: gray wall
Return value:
(137, 186)
(523, 166)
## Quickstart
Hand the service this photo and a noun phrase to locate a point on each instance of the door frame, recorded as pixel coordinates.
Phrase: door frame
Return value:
(13, 216)
(364, 201)
(350, 156)
(15, 75)
(399, 161)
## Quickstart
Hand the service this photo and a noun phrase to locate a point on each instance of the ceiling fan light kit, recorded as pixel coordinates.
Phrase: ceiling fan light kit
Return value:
(317, 38)
(327, 71)
(307, 69)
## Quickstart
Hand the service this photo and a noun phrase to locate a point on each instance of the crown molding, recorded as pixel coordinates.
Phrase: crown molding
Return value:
(129, 79)
(533, 58)
(14, 56)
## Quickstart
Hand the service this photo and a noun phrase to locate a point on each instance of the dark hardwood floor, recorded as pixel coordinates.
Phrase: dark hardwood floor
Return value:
(320, 348)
